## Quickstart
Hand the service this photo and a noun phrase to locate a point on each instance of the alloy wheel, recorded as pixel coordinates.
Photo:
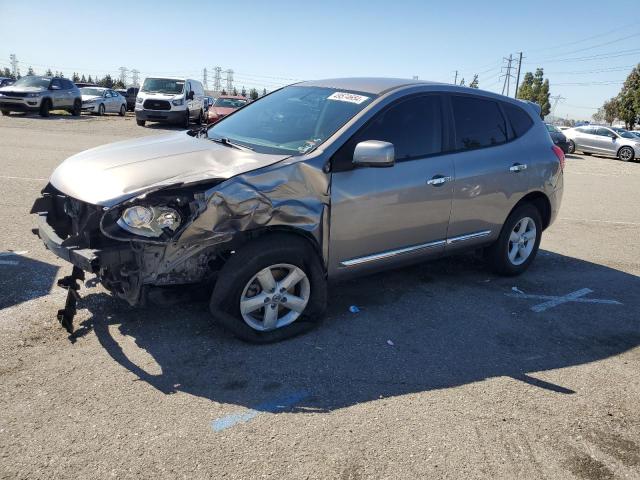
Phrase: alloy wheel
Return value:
(522, 241)
(275, 297)
(626, 154)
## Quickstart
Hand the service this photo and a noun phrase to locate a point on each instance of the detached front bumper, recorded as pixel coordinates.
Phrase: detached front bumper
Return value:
(84, 258)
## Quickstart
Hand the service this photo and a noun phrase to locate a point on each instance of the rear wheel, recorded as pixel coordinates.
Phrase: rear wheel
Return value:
(5, 112)
(572, 147)
(273, 288)
(140, 123)
(123, 110)
(626, 154)
(200, 118)
(77, 108)
(101, 109)
(45, 107)
(518, 242)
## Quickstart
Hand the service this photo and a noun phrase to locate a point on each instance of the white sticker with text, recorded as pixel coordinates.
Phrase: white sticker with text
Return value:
(348, 97)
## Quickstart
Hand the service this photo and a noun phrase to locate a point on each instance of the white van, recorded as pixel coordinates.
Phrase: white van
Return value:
(173, 100)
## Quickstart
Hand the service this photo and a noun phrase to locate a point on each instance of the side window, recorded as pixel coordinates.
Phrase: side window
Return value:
(520, 120)
(56, 83)
(108, 94)
(478, 123)
(603, 132)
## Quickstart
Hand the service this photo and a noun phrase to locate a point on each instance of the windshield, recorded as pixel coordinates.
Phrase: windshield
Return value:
(623, 133)
(552, 129)
(230, 102)
(41, 82)
(293, 120)
(91, 91)
(163, 85)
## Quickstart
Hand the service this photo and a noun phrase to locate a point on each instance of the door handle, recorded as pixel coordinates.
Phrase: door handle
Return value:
(518, 167)
(438, 180)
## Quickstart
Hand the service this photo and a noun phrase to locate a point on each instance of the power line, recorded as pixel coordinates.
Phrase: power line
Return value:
(592, 47)
(599, 35)
(507, 76)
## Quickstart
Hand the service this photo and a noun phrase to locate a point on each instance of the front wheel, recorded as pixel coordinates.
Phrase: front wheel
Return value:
(273, 288)
(518, 242)
(101, 109)
(200, 118)
(572, 147)
(6, 113)
(45, 108)
(123, 110)
(626, 154)
(77, 108)
(187, 120)
(141, 123)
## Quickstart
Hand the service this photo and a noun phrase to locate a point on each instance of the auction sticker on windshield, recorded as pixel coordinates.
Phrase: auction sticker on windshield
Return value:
(348, 97)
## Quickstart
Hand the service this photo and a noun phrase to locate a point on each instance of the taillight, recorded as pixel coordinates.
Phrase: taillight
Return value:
(560, 154)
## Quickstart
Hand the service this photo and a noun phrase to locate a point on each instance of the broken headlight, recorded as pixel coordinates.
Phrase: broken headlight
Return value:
(149, 221)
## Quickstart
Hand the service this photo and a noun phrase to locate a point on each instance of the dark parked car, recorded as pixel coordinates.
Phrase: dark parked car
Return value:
(558, 137)
(85, 84)
(5, 81)
(130, 94)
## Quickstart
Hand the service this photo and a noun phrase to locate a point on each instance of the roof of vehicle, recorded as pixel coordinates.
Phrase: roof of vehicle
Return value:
(238, 97)
(373, 85)
(97, 87)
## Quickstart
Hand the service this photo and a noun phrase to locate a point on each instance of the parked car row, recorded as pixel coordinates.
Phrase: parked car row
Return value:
(604, 140)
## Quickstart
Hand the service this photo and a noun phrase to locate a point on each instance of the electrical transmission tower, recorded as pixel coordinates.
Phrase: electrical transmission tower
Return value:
(556, 99)
(123, 75)
(135, 77)
(14, 64)
(229, 81)
(217, 79)
(205, 80)
(507, 76)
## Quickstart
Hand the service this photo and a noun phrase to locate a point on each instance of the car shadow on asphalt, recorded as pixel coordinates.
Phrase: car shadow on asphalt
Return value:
(432, 326)
(23, 278)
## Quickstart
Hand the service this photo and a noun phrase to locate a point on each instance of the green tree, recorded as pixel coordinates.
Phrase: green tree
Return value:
(243, 92)
(535, 88)
(223, 92)
(264, 92)
(629, 99)
(6, 73)
(30, 71)
(75, 77)
(89, 79)
(610, 108)
(83, 79)
(106, 81)
(598, 117)
(474, 82)
(48, 73)
(462, 82)
(253, 94)
(235, 91)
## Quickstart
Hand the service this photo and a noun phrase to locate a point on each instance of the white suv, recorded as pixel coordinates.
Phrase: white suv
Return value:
(172, 100)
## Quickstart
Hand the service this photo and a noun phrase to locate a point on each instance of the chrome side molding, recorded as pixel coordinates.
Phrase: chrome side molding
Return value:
(414, 248)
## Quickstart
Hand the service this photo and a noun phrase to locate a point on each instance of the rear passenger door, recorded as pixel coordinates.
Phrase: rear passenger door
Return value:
(381, 216)
(58, 94)
(491, 171)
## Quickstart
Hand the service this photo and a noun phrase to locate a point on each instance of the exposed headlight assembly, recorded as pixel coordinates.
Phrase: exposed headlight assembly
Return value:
(149, 221)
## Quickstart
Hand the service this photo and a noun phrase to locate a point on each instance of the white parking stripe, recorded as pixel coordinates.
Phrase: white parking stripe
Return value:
(589, 220)
(29, 179)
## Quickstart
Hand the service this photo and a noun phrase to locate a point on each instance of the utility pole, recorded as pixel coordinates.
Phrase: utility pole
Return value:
(455, 80)
(229, 81)
(123, 75)
(507, 76)
(217, 79)
(204, 79)
(14, 64)
(135, 77)
(518, 75)
(556, 99)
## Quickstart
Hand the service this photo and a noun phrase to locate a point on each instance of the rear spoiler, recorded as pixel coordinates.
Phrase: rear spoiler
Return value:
(533, 107)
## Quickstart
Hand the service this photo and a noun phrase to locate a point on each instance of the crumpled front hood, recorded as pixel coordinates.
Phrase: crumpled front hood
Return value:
(110, 174)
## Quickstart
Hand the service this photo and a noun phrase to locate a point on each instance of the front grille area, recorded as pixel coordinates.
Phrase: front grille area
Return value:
(157, 105)
(15, 94)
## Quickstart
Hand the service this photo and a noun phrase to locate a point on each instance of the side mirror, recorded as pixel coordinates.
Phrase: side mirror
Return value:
(374, 153)
(190, 95)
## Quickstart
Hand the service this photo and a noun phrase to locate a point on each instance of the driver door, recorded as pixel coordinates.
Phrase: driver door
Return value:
(383, 217)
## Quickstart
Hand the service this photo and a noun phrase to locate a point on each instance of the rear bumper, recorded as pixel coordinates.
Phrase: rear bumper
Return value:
(171, 116)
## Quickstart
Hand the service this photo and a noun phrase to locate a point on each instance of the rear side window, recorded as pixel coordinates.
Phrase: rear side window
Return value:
(520, 120)
(478, 123)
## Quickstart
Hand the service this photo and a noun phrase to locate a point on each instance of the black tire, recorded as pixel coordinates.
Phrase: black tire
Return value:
(187, 120)
(588, 154)
(101, 109)
(6, 113)
(626, 154)
(497, 255)
(140, 122)
(77, 108)
(248, 261)
(200, 120)
(45, 107)
(123, 110)
(572, 147)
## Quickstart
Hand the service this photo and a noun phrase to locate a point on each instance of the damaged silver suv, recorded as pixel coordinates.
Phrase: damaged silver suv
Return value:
(317, 181)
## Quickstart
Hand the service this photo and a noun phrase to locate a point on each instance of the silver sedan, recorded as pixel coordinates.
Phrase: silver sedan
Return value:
(103, 100)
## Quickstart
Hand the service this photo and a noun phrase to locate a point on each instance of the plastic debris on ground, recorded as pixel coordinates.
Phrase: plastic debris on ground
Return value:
(354, 309)
(516, 289)
(389, 342)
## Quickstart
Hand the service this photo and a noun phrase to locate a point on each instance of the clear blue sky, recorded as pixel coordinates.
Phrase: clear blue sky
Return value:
(268, 43)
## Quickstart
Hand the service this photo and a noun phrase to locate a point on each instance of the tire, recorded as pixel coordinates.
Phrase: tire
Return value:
(588, 154)
(140, 122)
(200, 120)
(498, 255)
(101, 109)
(77, 108)
(45, 107)
(626, 154)
(572, 147)
(6, 113)
(281, 252)
(123, 110)
(187, 120)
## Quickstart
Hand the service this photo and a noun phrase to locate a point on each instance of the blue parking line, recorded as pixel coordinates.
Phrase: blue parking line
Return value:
(274, 406)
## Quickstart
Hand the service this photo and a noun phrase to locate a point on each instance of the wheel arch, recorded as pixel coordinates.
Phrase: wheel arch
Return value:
(626, 146)
(539, 200)
(287, 230)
